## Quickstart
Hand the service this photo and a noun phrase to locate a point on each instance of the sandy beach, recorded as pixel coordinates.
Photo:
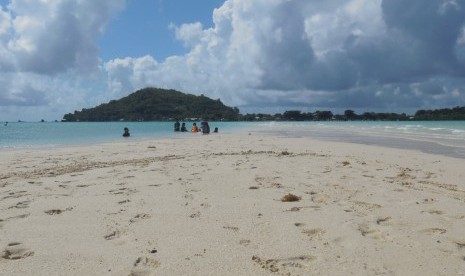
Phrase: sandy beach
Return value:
(216, 205)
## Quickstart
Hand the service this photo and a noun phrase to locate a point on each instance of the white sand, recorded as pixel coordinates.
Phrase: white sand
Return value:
(211, 205)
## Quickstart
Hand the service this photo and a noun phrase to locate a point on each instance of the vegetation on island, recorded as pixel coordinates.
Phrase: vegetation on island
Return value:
(349, 115)
(456, 113)
(154, 104)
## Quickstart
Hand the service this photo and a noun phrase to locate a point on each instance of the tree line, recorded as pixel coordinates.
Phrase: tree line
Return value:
(456, 113)
(349, 115)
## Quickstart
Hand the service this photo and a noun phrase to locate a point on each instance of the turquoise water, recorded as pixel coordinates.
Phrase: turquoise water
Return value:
(447, 137)
(37, 134)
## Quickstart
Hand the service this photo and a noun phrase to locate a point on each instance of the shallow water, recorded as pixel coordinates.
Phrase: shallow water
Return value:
(28, 134)
(438, 137)
(444, 138)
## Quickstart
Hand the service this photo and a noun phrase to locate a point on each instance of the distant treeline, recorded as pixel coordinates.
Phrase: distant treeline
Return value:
(349, 115)
(154, 104)
(456, 113)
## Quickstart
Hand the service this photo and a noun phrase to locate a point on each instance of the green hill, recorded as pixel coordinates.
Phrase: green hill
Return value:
(153, 104)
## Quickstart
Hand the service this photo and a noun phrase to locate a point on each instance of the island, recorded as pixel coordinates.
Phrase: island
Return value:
(155, 104)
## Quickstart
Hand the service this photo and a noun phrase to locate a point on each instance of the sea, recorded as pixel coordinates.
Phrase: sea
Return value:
(437, 137)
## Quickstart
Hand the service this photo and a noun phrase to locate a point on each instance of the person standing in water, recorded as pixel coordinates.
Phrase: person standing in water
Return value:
(126, 132)
(183, 127)
(205, 127)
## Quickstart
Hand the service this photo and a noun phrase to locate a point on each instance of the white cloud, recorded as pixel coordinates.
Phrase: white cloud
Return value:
(190, 34)
(52, 37)
(357, 54)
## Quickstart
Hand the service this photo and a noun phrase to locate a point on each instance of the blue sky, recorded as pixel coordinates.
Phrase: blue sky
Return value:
(142, 28)
(262, 56)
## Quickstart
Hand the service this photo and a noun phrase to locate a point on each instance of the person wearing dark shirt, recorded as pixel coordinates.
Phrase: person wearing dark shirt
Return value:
(126, 132)
(205, 128)
(176, 126)
(183, 127)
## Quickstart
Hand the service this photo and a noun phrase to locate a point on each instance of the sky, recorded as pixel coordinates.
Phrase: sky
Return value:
(262, 56)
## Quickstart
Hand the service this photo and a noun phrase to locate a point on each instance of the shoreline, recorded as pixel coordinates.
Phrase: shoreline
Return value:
(398, 141)
(214, 205)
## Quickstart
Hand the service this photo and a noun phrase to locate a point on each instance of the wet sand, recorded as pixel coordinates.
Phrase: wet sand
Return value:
(214, 205)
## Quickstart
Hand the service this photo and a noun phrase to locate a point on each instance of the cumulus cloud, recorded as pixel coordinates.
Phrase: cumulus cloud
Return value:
(358, 54)
(43, 43)
(390, 55)
(49, 37)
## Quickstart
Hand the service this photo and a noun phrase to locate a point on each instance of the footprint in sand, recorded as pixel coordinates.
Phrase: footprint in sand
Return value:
(434, 230)
(205, 205)
(144, 266)
(294, 209)
(382, 220)
(57, 211)
(139, 217)
(429, 200)
(115, 234)
(17, 194)
(124, 201)
(368, 231)
(188, 196)
(233, 228)
(435, 212)
(315, 233)
(82, 185)
(118, 191)
(15, 251)
(362, 208)
(320, 198)
(18, 217)
(288, 266)
(195, 215)
(20, 205)
(268, 182)
(244, 242)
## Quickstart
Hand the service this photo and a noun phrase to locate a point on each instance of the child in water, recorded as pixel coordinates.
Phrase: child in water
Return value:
(194, 128)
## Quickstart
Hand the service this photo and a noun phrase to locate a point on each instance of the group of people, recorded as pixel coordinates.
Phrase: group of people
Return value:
(204, 128)
(182, 128)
